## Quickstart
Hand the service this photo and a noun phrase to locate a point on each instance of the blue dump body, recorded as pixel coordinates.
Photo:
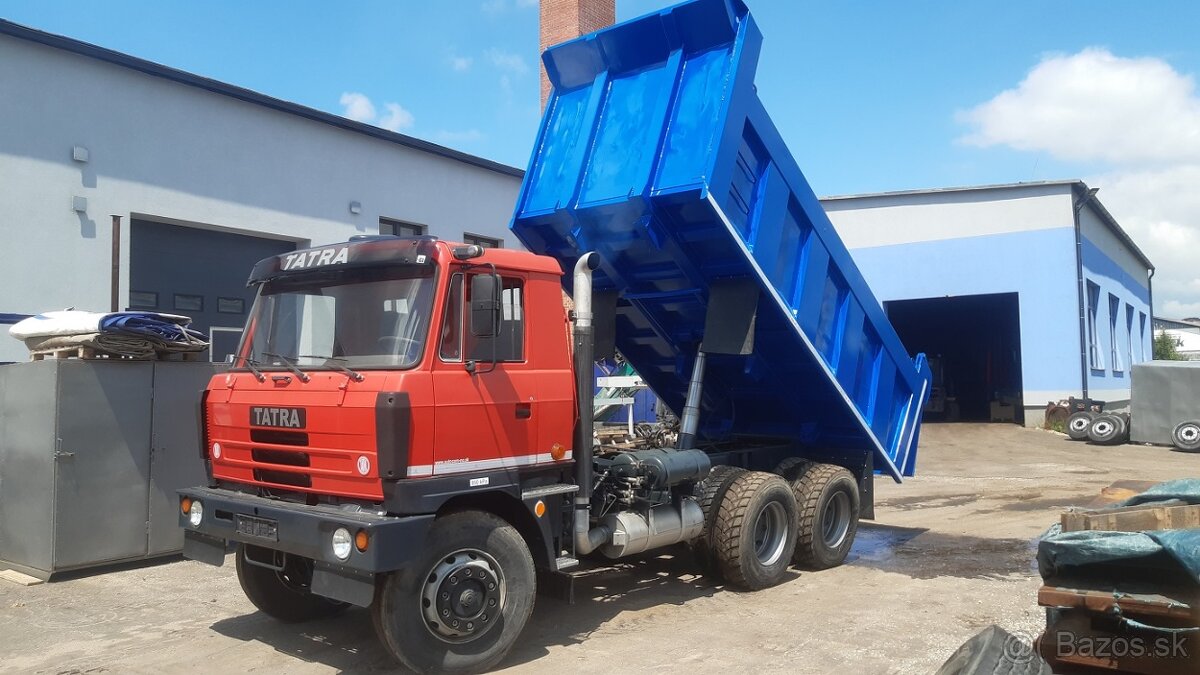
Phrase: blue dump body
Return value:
(655, 152)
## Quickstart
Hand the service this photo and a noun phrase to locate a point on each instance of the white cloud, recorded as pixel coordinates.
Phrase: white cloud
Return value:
(396, 117)
(357, 107)
(507, 61)
(460, 64)
(1095, 106)
(1138, 117)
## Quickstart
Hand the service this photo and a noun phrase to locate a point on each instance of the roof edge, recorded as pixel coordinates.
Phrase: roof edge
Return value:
(151, 68)
(1079, 190)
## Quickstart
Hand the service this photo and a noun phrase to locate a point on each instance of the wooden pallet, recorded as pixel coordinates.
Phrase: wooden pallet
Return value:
(72, 352)
(84, 352)
(1172, 515)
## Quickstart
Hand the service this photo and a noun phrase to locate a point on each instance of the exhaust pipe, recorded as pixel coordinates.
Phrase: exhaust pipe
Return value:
(690, 421)
(586, 540)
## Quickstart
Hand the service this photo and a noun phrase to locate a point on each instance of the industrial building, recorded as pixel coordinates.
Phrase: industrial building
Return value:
(1020, 294)
(207, 178)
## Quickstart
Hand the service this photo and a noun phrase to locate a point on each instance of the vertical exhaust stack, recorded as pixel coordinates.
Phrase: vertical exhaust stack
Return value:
(690, 421)
(586, 540)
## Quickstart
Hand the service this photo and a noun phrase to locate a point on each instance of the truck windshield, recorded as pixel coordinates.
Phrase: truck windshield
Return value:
(360, 318)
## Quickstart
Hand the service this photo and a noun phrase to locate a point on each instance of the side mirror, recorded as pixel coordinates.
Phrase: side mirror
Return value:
(485, 305)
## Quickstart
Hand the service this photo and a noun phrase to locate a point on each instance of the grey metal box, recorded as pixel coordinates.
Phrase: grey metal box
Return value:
(1165, 393)
(91, 452)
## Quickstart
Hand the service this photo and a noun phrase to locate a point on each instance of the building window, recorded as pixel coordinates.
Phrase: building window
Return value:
(1095, 358)
(189, 303)
(1114, 317)
(1142, 335)
(1129, 334)
(479, 240)
(400, 228)
(231, 305)
(143, 300)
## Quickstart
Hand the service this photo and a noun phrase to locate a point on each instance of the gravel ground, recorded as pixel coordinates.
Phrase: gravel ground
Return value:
(951, 552)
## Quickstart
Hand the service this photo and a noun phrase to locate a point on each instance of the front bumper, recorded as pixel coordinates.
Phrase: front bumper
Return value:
(301, 530)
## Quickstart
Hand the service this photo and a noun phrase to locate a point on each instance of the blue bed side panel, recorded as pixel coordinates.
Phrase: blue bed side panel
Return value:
(655, 152)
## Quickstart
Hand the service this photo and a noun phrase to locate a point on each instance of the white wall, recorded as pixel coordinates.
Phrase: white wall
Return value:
(171, 152)
(907, 218)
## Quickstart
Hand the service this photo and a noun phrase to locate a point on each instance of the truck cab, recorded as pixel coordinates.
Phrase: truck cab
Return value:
(380, 383)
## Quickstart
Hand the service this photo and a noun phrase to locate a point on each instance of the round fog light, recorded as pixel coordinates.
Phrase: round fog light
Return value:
(342, 541)
(196, 513)
(216, 453)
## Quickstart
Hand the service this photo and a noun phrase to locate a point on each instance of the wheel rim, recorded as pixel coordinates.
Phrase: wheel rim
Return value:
(1103, 428)
(1189, 433)
(463, 596)
(1080, 424)
(835, 520)
(770, 533)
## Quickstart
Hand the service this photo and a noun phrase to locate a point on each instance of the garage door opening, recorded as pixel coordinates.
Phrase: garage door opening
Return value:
(197, 273)
(973, 343)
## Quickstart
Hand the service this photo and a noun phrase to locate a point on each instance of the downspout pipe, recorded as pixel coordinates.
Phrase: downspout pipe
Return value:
(1080, 288)
(586, 539)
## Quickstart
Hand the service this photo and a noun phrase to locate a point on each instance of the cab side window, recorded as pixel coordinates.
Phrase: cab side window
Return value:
(451, 342)
(510, 342)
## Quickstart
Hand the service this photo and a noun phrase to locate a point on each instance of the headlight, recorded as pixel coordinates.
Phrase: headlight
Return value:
(196, 513)
(342, 541)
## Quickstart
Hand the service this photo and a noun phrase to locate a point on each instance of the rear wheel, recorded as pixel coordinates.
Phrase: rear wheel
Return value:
(460, 607)
(828, 500)
(1186, 436)
(279, 585)
(754, 532)
(1078, 423)
(709, 493)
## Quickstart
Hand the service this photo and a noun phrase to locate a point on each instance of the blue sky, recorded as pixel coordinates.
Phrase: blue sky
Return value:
(870, 96)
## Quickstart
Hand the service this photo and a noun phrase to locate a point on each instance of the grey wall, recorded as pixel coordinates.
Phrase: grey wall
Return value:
(168, 152)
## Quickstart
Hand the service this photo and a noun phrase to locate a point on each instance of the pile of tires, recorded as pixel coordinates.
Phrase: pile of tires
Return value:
(1186, 436)
(1101, 428)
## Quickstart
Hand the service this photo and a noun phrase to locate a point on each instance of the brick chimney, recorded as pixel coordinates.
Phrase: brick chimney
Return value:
(562, 20)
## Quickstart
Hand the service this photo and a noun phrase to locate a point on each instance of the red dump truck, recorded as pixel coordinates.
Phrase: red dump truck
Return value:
(407, 425)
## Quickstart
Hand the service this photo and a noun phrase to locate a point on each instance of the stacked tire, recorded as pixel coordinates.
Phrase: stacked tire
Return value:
(1098, 428)
(1186, 436)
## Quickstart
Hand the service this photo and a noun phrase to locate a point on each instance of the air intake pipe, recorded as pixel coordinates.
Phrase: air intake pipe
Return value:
(586, 539)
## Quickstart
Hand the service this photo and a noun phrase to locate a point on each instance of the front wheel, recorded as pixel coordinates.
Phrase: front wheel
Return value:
(278, 585)
(460, 607)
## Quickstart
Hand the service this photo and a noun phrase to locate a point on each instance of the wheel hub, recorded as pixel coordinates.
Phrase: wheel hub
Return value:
(463, 596)
(1189, 434)
(770, 533)
(835, 520)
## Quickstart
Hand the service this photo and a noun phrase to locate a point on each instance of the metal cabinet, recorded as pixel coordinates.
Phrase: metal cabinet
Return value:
(91, 452)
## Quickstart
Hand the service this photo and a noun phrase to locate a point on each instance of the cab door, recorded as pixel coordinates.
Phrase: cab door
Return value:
(485, 416)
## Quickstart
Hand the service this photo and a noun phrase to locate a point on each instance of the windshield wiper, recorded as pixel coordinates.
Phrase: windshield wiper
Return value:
(289, 363)
(336, 362)
(250, 365)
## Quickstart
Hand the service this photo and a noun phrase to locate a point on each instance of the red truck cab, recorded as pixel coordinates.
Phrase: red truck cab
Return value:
(379, 384)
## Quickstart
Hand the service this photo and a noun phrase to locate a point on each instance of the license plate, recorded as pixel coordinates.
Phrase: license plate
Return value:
(256, 527)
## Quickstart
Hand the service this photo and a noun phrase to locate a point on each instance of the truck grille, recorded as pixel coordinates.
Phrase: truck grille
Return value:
(283, 478)
(278, 437)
